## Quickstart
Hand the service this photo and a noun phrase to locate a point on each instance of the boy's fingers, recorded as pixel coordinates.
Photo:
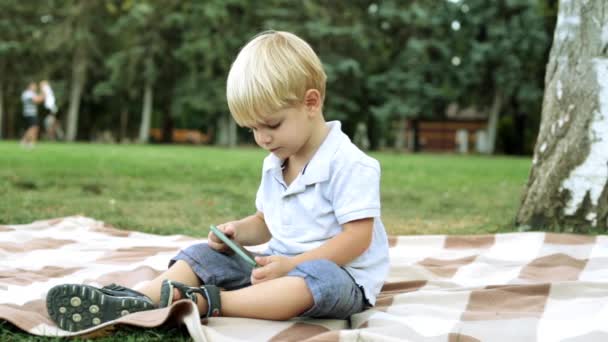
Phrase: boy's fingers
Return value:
(274, 258)
(258, 273)
(255, 280)
(214, 244)
(228, 230)
(263, 261)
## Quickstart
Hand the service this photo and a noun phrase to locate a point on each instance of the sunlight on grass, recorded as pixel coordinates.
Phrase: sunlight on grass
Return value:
(182, 189)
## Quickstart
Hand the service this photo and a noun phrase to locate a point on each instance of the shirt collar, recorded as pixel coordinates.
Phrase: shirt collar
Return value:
(317, 169)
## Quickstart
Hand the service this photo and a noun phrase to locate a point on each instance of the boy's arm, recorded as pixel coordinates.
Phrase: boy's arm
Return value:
(343, 248)
(252, 230)
(249, 231)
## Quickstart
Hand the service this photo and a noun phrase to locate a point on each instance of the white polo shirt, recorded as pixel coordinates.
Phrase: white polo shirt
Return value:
(338, 185)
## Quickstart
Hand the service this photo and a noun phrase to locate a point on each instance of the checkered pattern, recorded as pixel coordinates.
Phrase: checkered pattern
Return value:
(502, 287)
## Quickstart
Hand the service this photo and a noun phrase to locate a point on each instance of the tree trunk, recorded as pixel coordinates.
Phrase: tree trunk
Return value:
(567, 188)
(146, 113)
(400, 134)
(416, 132)
(79, 67)
(10, 119)
(232, 129)
(519, 122)
(493, 122)
(167, 136)
(10, 108)
(124, 124)
(226, 132)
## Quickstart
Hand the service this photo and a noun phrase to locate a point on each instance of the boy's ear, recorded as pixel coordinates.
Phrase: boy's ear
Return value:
(312, 99)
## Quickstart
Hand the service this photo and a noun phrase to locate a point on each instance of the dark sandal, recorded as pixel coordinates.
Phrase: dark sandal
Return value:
(211, 293)
(75, 307)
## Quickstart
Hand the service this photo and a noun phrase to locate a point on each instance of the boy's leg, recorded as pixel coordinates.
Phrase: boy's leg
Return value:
(317, 288)
(76, 307)
(196, 265)
(276, 299)
(180, 271)
(273, 299)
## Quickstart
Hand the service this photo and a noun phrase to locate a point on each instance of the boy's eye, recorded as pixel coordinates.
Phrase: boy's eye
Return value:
(275, 125)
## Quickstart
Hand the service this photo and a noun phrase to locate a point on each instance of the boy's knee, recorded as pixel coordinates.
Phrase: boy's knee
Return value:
(325, 273)
(318, 268)
(334, 291)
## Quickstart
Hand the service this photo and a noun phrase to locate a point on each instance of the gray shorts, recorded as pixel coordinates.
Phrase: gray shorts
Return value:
(335, 293)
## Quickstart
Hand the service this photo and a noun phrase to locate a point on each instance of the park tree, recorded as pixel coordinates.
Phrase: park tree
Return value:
(339, 32)
(433, 53)
(386, 60)
(567, 187)
(78, 28)
(206, 52)
(507, 45)
(133, 62)
(21, 32)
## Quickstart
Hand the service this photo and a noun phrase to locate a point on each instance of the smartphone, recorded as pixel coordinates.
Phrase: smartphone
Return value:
(240, 251)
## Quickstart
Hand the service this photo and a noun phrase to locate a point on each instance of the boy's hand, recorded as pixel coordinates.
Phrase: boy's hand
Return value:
(214, 242)
(274, 266)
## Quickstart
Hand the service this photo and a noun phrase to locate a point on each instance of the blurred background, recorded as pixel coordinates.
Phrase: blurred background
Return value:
(426, 75)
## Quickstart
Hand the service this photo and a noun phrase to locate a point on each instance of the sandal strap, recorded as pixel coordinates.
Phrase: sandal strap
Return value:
(214, 300)
(167, 289)
(191, 292)
(116, 287)
(119, 290)
(211, 293)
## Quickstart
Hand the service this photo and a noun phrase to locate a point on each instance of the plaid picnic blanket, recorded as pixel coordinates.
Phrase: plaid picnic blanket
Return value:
(502, 287)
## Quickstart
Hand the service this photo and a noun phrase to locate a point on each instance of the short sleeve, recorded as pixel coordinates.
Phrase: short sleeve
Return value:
(355, 191)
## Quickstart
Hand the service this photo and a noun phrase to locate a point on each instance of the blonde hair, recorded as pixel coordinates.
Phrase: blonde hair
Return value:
(273, 71)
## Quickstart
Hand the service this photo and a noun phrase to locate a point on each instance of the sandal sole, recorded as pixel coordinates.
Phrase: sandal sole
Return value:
(75, 307)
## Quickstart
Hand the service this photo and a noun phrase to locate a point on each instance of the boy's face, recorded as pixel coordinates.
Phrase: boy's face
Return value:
(284, 133)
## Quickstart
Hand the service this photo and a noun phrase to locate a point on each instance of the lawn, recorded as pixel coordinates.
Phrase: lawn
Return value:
(182, 189)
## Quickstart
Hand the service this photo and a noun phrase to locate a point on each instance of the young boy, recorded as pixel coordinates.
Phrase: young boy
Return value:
(318, 206)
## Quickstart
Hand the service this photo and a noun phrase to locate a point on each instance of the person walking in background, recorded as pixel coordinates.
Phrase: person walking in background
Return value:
(51, 124)
(30, 99)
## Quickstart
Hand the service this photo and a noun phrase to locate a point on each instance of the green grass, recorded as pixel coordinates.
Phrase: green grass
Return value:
(183, 189)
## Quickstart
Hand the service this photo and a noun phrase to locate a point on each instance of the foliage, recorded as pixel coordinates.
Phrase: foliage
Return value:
(385, 60)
